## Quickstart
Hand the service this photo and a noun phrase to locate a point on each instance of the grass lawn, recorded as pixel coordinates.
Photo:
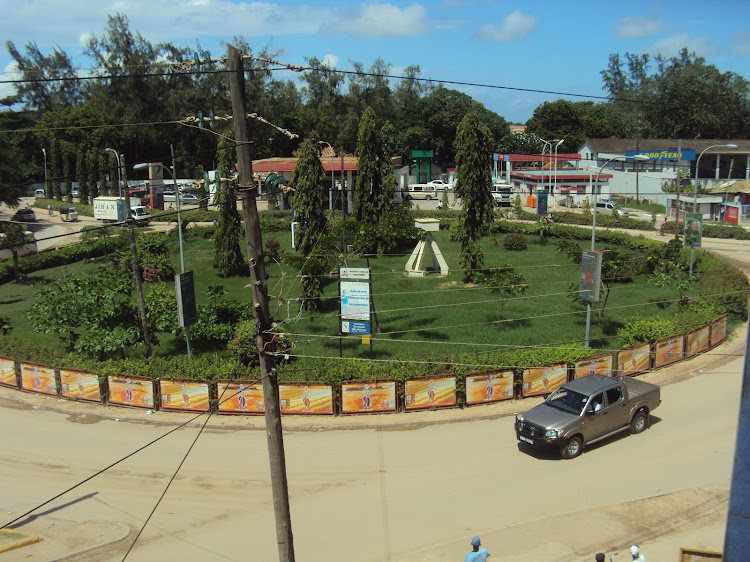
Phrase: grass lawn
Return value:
(418, 318)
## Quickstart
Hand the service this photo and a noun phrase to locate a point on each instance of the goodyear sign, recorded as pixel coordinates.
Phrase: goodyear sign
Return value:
(668, 154)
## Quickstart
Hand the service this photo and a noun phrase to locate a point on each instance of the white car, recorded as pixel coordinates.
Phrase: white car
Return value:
(439, 184)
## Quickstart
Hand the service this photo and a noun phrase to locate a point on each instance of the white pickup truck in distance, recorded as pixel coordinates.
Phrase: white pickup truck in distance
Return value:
(587, 410)
(502, 193)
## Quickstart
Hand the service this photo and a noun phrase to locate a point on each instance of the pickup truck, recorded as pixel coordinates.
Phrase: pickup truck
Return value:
(502, 193)
(588, 410)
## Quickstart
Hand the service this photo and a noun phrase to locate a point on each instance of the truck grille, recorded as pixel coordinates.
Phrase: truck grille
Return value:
(532, 430)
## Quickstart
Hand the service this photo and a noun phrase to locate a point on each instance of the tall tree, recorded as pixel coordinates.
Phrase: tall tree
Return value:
(368, 168)
(573, 122)
(473, 186)
(309, 196)
(228, 256)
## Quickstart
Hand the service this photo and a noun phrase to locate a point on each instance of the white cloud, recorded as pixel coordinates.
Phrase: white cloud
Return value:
(85, 38)
(740, 43)
(380, 20)
(516, 26)
(636, 27)
(331, 60)
(9, 73)
(671, 46)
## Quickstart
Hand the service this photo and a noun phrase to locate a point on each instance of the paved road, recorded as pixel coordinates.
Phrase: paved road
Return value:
(388, 490)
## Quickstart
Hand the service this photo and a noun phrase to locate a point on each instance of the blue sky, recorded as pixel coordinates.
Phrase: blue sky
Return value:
(557, 46)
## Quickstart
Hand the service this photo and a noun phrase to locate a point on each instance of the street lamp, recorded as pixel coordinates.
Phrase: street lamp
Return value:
(330, 199)
(119, 170)
(46, 186)
(173, 174)
(695, 190)
(593, 224)
(550, 151)
(554, 201)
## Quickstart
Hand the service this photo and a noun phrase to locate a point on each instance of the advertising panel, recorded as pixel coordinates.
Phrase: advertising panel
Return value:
(718, 330)
(634, 360)
(8, 372)
(183, 395)
(595, 366)
(240, 398)
(355, 300)
(80, 385)
(545, 379)
(367, 397)
(36, 378)
(696, 341)
(591, 273)
(306, 398)
(693, 230)
(435, 392)
(669, 350)
(669, 154)
(484, 388)
(130, 391)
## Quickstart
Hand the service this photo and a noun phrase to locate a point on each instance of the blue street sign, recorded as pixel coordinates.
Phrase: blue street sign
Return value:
(350, 327)
(669, 154)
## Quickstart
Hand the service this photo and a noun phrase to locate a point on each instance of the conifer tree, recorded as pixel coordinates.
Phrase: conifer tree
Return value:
(309, 196)
(368, 168)
(473, 185)
(228, 257)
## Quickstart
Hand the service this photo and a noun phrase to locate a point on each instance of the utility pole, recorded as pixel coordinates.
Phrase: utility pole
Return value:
(677, 192)
(274, 434)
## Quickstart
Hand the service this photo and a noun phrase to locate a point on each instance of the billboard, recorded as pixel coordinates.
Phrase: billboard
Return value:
(669, 350)
(693, 230)
(545, 379)
(240, 398)
(594, 366)
(633, 360)
(8, 372)
(591, 273)
(36, 378)
(183, 395)
(485, 388)
(669, 154)
(130, 391)
(368, 397)
(306, 398)
(718, 330)
(432, 392)
(696, 341)
(80, 385)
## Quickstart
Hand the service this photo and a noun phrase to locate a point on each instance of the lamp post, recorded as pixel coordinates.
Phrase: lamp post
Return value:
(695, 190)
(593, 226)
(119, 170)
(173, 174)
(554, 201)
(550, 151)
(46, 186)
(331, 202)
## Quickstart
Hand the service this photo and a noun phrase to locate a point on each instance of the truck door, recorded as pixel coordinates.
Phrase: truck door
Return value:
(595, 422)
(616, 408)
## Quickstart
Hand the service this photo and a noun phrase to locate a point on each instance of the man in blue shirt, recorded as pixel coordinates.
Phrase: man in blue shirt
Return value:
(477, 554)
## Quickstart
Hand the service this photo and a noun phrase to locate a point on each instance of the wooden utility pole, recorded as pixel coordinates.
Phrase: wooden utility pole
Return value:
(263, 324)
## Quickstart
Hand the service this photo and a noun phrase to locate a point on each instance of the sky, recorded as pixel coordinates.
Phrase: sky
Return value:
(498, 46)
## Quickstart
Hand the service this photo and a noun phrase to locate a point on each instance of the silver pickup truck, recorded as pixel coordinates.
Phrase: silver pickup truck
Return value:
(587, 410)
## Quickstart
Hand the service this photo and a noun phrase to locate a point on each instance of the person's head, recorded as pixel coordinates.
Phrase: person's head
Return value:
(475, 542)
(599, 557)
(634, 550)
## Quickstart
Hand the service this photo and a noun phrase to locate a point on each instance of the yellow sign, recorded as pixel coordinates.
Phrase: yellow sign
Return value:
(240, 398)
(130, 391)
(489, 387)
(306, 398)
(430, 392)
(544, 380)
(183, 395)
(366, 339)
(597, 366)
(80, 385)
(669, 350)
(718, 331)
(8, 372)
(634, 360)
(696, 341)
(36, 378)
(365, 397)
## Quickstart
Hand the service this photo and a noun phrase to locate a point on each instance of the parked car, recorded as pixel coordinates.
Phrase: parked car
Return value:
(40, 193)
(189, 198)
(68, 214)
(169, 196)
(439, 184)
(24, 215)
(609, 207)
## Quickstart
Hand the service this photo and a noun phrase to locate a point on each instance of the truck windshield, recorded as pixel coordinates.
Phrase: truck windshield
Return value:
(567, 400)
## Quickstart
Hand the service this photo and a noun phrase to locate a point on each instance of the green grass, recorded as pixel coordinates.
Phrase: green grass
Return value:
(419, 318)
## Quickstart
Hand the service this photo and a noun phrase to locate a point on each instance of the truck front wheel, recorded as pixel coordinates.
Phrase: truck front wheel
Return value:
(572, 448)
(640, 422)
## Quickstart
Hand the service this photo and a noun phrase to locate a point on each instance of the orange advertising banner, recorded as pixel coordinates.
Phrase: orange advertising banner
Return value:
(36, 378)
(8, 372)
(130, 391)
(435, 392)
(543, 380)
(240, 398)
(183, 395)
(696, 341)
(718, 330)
(669, 350)
(367, 397)
(595, 366)
(634, 360)
(485, 388)
(306, 398)
(80, 385)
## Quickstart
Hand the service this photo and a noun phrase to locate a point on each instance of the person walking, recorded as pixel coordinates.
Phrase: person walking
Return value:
(635, 552)
(477, 554)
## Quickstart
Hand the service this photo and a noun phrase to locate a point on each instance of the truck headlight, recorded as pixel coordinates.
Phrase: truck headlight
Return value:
(552, 433)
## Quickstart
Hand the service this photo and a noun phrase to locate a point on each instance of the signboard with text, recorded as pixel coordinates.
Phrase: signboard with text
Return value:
(693, 230)
(668, 154)
(354, 297)
(591, 272)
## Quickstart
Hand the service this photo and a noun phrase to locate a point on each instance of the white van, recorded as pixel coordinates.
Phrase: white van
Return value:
(423, 191)
(28, 248)
(141, 214)
(609, 206)
(40, 193)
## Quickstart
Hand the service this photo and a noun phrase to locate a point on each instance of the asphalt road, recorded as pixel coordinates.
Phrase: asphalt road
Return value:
(376, 488)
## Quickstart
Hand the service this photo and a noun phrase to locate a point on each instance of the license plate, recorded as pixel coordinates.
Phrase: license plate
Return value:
(526, 439)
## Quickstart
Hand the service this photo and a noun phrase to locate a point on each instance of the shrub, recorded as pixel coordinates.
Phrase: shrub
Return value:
(273, 249)
(725, 289)
(515, 242)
